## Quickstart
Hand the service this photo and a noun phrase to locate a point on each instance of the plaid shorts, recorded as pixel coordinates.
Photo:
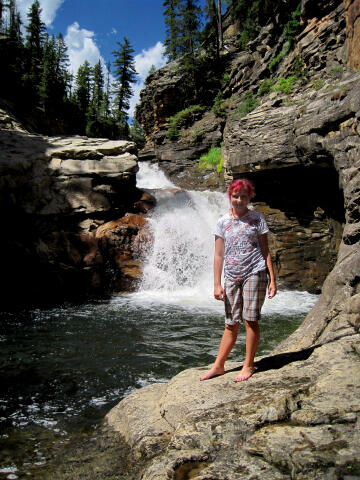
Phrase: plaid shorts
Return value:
(244, 299)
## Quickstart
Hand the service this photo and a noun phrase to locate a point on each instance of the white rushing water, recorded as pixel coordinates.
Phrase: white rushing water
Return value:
(178, 270)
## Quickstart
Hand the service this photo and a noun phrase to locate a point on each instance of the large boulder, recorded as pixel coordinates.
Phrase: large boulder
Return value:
(56, 192)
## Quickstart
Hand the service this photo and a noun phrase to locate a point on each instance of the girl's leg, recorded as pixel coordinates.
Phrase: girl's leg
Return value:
(227, 342)
(252, 342)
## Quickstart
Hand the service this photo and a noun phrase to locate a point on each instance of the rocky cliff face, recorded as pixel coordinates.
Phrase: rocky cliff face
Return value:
(283, 145)
(56, 193)
(298, 416)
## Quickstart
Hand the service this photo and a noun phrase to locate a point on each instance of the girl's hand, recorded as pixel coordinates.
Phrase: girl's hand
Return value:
(219, 293)
(272, 290)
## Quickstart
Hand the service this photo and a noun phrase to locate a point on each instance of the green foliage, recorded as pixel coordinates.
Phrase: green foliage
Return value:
(226, 78)
(248, 103)
(182, 20)
(125, 75)
(196, 135)
(137, 134)
(249, 32)
(336, 71)
(293, 26)
(151, 71)
(220, 105)
(213, 160)
(172, 15)
(265, 87)
(285, 85)
(275, 61)
(299, 68)
(318, 84)
(183, 117)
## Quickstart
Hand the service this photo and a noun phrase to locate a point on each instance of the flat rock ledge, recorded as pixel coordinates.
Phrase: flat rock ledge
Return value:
(297, 417)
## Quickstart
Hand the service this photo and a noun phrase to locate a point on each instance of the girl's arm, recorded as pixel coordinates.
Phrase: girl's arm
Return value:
(263, 241)
(218, 266)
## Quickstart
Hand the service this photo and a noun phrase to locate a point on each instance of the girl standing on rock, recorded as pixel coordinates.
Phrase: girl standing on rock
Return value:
(241, 243)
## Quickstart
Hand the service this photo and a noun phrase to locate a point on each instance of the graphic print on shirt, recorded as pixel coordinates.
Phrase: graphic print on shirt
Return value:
(242, 254)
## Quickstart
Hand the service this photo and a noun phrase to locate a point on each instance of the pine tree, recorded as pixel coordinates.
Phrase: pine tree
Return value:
(212, 34)
(172, 14)
(14, 30)
(137, 134)
(82, 94)
(125, 75)
(12, 54)
(190, 23)
(190, 63)
(54, 80)
(36, 38)
(97, 96)
(94, 125)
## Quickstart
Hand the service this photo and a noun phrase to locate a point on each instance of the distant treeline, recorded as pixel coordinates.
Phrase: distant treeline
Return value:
(37, 84)
(36, 81)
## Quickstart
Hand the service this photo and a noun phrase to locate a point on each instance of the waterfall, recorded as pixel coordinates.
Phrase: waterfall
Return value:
(178, 270)
(179, 267)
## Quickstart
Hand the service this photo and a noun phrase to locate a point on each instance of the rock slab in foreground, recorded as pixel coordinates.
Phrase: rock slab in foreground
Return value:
(297, 417)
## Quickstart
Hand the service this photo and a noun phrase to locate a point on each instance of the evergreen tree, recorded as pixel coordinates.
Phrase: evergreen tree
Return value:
(210, 32)
(94, 126)
(12, 54)
(82, 94)
(14, 30)
(54, 80)
(190, 63)
(97, 89)
(190, 23)
(172, 14)
(36, 38)
(125, 75)
(137, 134)
(48, 77)
(105, 106)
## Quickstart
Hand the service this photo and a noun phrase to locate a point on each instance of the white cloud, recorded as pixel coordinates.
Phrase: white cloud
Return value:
(153, 56)
(81, 46)
(48, 7)
(143, 62)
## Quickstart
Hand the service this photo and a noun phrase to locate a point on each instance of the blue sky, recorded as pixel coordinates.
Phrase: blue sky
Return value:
(91, 29)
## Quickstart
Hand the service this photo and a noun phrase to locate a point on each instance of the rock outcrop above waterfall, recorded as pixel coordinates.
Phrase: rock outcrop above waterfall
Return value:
(298, 416)
(56, 193)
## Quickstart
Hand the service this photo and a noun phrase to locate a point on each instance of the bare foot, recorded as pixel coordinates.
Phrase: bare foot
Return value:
(245, 374)
(213, 372)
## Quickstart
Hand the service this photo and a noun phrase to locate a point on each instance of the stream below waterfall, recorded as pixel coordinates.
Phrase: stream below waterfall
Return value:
(62, 369)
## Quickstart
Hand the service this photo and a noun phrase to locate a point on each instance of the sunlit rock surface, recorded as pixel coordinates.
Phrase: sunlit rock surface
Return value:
(297, 417)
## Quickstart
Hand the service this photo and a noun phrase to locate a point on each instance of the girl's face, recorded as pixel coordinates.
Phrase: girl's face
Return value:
(239, 201)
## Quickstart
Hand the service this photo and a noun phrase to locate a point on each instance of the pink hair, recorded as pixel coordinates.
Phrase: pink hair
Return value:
(241, 184)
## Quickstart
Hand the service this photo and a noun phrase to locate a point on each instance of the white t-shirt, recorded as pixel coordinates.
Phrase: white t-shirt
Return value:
(242, 256)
